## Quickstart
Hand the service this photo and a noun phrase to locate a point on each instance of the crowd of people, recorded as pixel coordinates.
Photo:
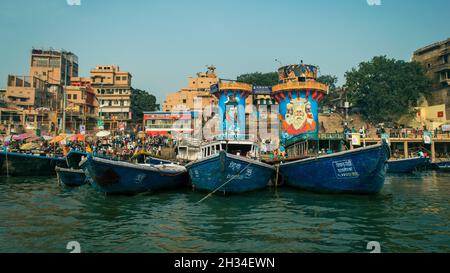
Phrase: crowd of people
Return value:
(118, 147)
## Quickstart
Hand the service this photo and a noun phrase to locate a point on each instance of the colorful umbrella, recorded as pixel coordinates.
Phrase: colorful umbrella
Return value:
(59, 138)
(29, 146)
(103, 134)
(21, 137)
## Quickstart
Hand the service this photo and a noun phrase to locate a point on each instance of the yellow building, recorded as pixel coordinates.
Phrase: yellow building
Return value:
(113, 89)
(53, 66)
(196, 95)
(435, 60)
(27, 92)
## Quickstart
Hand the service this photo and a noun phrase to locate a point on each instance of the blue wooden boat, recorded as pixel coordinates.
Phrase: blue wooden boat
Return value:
(74, 158)
(358, 171)
(407, 165)
(71, 177)
(17, 164)
(227, 173)
(441, 164)
(118, 177)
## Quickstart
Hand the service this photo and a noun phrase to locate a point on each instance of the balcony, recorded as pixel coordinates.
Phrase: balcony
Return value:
(441, 67)
(299, 86)
(235, 86)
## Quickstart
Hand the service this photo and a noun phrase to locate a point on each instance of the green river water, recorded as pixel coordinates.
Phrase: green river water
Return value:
(411, 214)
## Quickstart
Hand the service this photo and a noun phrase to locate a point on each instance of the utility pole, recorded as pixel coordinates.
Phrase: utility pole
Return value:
(64, 96)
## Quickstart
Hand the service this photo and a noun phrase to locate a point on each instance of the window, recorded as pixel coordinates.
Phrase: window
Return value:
(75, 96)
(440, 114)
(69, 96)
(184, 100)
(117, 78)
(44, 73)
(124, 78)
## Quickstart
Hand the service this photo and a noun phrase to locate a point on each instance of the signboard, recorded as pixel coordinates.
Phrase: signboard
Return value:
(446, 128)
(122, 126)
(427, 137)
(83, 129)
(100, 124)
(167, 116)
(214, 88)
(262, 90)
(356, 139)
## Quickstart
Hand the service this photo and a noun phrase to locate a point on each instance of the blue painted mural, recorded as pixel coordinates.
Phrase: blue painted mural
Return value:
(299, 116)
(232, 113)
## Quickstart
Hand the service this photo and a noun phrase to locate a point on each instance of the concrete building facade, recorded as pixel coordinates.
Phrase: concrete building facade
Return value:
(196, 96)
(53, 66)
(113, 90)
(27, 92)
(82, 104)
(435, 60)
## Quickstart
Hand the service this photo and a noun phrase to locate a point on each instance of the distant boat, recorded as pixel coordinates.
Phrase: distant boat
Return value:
(225, 172)
(358, 171)
(117, 177)
(443, 166)
(407, 165)
(71, 177)
(17, 164)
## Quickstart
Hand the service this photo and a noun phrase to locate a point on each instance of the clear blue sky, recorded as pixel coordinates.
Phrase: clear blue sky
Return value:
(163, 42)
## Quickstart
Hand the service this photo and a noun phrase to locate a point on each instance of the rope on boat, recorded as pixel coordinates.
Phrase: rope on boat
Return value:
(221, 186)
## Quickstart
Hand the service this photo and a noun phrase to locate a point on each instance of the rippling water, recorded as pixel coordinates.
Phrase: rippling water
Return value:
(411, 214)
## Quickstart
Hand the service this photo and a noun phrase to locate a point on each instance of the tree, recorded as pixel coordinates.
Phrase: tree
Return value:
(259, 79)
(331, 81)
(142, 101)
(386, 89)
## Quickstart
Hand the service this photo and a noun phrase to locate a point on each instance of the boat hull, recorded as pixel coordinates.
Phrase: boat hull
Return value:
(229, 174)
(74, 158)
(359, 171)
(407, 165)
(157, 161)
(115, 177)
(70, 177)
(16, 164)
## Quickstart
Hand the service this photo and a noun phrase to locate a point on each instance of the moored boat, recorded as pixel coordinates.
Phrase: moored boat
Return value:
(74, 158)
(18, 164)
(71, 177)
(444, 168)
(358, 171)
(220, 171)
(407, 165)
(118, 177)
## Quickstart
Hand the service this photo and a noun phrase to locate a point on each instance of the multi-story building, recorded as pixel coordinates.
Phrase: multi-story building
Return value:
(27, 92)
(2, 95)
(82, 104)
(52, 66)
(196, 96)
(113, 89)
(435, 59)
